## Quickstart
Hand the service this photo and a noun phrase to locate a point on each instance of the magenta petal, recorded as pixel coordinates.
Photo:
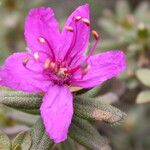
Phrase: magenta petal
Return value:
(82, 30)
(102, 67)
(41, 22)
(57, 111)
(14, 75)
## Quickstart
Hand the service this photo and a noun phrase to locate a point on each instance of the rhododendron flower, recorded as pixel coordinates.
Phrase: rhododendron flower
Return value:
(56, 62)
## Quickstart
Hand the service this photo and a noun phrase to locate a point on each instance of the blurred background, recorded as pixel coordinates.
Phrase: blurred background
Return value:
(122, 24)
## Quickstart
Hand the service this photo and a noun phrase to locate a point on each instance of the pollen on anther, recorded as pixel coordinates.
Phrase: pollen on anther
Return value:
(86, 21)
(47, 63)
(69, 28)
(77, 18)
(95, 34)
(41, 40)
(36, 55)
(25, 60)
(53, 66)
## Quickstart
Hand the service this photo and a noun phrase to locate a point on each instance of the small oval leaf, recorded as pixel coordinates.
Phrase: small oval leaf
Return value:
(22, 140)
(40, 139)
(20, 100)
(144, 76)
(143, 97)
(93, 109)
(69, 144)
(4, 141)
(84, 133)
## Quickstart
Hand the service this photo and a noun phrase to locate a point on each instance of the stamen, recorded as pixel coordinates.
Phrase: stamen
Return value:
(86, 21)
(25, 60)
(36, 56)
(53, 66)
(69, 28)
(95, 34)
(44, 40)
(41, 40)
(47, 63)
(77, 18)
(34, 71)
(72, 45)
(44, 53)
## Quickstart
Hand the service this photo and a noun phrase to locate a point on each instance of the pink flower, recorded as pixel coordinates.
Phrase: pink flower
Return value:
(55, 62)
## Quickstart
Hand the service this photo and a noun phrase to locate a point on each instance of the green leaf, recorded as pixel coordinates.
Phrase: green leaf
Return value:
(92, 92)
(37, 133)
(31, 111)
(84, 133)
(17, 147)
(22, 141)
(20, 100)
(40, 140)
(144, 76)
(4, 141)
(94, 109)
(143, 97)
(122, 9)
(69, 144)
(45, 143)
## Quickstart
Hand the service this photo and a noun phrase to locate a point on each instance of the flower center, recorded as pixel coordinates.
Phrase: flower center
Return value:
(62, 73)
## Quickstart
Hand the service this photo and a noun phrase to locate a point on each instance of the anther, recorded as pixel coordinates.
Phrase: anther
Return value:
(77, 18)
(69, 28)
(41, 40)
(86, 21)
(95, 34)
(53, 66)
(36, 55)
(47, 63)
(25, 60)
